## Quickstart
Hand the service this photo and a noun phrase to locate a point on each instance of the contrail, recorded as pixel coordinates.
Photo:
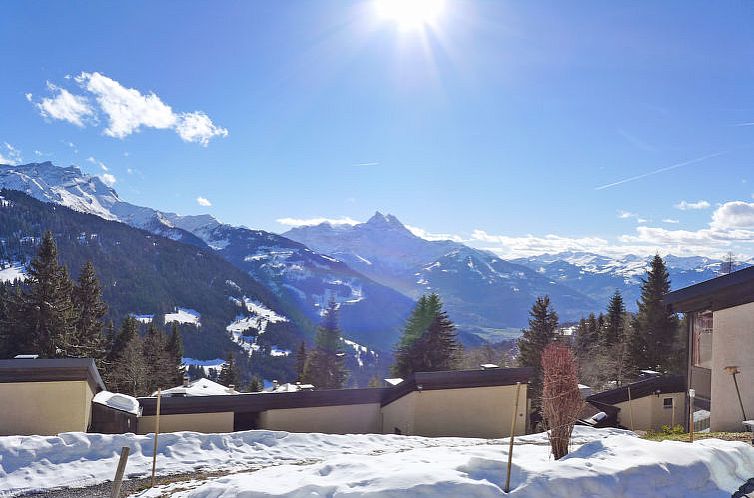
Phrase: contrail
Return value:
(661, 170)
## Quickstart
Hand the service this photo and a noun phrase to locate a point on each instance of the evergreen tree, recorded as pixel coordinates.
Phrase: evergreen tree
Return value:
(89, 310)
(427, 309)
(436, 349)
(175, 353)
(543, 325)
(587, 336)
(300, 362)
(128, 372)
(614, 328)
(161, 369)
(325, 364)
(229, 372)
(255, 384)
(44, 318)
(654, 329)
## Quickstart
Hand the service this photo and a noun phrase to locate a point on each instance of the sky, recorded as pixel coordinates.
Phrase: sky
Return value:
(520, 127)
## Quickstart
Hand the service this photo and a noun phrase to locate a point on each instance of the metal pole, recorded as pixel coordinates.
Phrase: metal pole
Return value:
(115, 491)
(672, 415)
(735, 381)
(510, 443)
(692, 395)
(156, 434)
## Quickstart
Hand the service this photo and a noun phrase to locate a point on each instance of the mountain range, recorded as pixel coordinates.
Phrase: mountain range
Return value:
(374, 270)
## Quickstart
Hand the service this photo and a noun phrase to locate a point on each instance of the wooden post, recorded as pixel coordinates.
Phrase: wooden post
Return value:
(692, 395)
(510, 443)
(672, 414)
(156, 435)
(115, 491)
(630, 408)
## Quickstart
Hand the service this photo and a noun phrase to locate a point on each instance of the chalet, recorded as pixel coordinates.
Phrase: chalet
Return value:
(720, 319)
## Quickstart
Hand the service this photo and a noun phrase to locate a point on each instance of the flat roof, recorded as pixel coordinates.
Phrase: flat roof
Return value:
(725, 291)
(51, 370)
(258, 402)
(663, 384)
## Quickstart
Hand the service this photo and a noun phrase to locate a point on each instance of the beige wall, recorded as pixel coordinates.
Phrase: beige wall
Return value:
(467, 412)
(733, 339)
(342, 419)
(649, 412)
(45, 408)
(196, 422)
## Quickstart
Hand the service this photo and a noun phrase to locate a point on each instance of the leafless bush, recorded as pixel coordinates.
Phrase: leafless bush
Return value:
(561, 400)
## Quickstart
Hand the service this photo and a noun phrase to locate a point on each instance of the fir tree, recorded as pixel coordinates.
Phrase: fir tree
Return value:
(255, 384)
(128, 372)
(614, 328)
(160, 366)
(175, 353)
(436, 349)
(44, 317)
(427, 309)
(652, 342)
(300, 362)
(325, 364)
(543, 325)
(229, 372)
(89, 310)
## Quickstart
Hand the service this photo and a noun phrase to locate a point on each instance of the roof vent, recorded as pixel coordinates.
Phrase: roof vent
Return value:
(26, 357)
(489, 366)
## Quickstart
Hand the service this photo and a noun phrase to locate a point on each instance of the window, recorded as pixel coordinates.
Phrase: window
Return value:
(667, 403)
(701, 339)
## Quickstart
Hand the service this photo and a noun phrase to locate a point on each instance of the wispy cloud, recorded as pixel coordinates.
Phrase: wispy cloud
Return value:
(690, 206)
(671, 221)
(661, 170)
(299, 222)
(108, 179)
(367, 164)
(9, 154)
(203, 201)
(127, 110)
(424, 234)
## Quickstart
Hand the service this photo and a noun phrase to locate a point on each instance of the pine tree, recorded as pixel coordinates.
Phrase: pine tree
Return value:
(128, 371)
(300, 362)
(89, 310)
(427, 309)
(652, 342)
(175, 353)
(255, 384)
(229, 372)
(543, 325)
(45, 313)
(325, 364)
(614, 328)
(161, 369)
(436, 349)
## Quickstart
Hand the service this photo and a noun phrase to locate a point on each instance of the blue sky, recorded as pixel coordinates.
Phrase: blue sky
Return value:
(511, 125)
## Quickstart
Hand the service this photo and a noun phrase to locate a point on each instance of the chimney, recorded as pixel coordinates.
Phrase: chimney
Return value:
(231, 388)
(275, 385)
(185, 381)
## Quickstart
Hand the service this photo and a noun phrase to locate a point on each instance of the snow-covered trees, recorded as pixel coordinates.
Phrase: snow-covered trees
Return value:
(228, 375)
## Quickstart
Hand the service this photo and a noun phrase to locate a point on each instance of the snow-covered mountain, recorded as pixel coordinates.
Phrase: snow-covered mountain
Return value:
(481, 291)
(370, 312)
(599, 276)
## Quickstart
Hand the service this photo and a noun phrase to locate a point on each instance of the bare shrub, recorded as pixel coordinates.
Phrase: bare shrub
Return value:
(561, 400)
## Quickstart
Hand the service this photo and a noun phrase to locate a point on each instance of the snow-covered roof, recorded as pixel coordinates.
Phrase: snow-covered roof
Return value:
(199, 387)
(289, 388)
(118, 401)
(394, 381)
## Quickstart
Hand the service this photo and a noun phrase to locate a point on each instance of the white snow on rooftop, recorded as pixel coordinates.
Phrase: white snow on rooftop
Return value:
(118, 401)
(199, 387)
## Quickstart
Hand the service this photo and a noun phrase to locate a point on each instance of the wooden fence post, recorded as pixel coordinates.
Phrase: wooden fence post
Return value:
(630, 408)
(510, 443)
(115, 491)
(156, 435)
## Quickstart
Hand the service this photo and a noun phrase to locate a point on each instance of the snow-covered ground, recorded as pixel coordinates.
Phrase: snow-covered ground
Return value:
(184, 315)
(13, 272)
(602, 463)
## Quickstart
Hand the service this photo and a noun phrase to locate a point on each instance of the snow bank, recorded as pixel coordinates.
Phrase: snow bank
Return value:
(17, 271)
(602, 463)
(184, 315)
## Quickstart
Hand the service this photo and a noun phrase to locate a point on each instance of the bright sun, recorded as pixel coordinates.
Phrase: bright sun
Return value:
(411, 14)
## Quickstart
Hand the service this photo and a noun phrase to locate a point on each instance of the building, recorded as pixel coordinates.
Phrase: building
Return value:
(48, 396)
(645, 405)
(720, 319)
(468, 403)
(198, 387)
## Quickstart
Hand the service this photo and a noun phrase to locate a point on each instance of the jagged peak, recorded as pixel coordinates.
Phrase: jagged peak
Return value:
(379, 219)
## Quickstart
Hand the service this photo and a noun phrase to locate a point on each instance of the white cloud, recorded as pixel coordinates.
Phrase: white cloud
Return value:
(420, 232)
(197, 127)
(127, 110)
(736, 214)
(65, 106)
(10, 155)
(108, 179)
(624, 215)
(28, 96)
(91, 160)
(687, 206)
(671, 221)
(367, 164)
(203, 201)
(299, 222)
(529, 245)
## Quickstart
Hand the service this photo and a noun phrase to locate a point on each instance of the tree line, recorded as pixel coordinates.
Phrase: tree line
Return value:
(51, 316)
(612, 347)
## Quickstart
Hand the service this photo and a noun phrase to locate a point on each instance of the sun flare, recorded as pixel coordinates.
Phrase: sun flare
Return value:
(411, 13)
